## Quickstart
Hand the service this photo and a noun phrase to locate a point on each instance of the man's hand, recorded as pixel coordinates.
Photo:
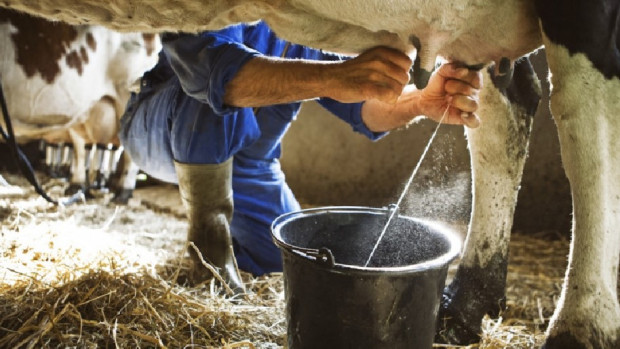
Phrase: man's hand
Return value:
(449, 85)
(380, 73)
(454, 86)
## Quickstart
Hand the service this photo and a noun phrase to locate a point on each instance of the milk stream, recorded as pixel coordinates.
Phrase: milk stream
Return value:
(406, 188)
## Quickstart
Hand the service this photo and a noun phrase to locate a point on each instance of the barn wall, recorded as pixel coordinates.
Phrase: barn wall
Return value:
(327, 164)
(545, 199)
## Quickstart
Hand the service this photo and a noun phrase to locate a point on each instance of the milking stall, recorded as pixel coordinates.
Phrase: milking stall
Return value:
(94, 251)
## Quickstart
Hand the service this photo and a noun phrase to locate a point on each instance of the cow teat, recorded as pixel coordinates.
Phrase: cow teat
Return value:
(502, 73)
(421, 71)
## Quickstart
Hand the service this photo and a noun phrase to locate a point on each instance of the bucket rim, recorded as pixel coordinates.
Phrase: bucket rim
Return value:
(439, 262)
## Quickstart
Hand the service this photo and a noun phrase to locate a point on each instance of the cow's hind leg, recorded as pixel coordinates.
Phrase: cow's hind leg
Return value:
(123, 180)
(586, 108)
(498, 150)
(582, 44)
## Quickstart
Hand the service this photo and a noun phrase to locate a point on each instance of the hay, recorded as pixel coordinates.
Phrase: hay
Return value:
(536, 271)
(124, 285)
(96, 275)
(535, 274)
(104, 309)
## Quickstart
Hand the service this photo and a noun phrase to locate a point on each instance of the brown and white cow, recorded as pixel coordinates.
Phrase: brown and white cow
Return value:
(581, 39)
(70, 84)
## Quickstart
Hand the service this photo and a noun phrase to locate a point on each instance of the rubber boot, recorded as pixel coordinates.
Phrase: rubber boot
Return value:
(206, 191)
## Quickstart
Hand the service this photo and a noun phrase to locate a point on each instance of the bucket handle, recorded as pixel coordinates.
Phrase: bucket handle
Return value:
(321, 256)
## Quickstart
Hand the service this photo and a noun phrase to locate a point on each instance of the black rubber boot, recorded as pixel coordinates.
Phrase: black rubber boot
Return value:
(206, 191)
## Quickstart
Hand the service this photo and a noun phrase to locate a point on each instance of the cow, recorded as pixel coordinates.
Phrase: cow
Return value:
(70, 84)
(581, 40)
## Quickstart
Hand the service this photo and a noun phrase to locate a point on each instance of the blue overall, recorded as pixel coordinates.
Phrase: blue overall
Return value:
(180, 115)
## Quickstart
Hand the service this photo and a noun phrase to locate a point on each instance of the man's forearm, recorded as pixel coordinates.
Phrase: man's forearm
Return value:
(267, 81)
(378, 73)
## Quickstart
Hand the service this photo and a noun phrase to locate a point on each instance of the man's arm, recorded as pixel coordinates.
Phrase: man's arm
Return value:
(377, 77)
(380, 73)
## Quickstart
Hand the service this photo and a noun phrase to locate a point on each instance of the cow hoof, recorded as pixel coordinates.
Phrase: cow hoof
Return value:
(564, 341)
(474, 293)
(455, 326)
(74, 189)
(122, 196)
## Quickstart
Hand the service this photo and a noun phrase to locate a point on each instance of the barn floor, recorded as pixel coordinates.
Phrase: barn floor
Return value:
(99, 275)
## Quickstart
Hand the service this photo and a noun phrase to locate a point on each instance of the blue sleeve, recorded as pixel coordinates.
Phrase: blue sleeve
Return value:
(350, 113)
(330, 56)
(205, 63)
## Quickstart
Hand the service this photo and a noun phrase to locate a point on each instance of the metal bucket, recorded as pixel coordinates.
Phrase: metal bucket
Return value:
(334, 301)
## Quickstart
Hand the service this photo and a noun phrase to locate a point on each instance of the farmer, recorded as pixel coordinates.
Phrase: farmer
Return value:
(211, 115)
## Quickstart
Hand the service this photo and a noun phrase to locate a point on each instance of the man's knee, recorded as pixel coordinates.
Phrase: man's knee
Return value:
(145, 136)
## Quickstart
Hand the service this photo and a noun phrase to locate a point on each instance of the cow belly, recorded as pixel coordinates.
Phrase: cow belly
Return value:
(44, 96)
(449, 28)
(472, 31)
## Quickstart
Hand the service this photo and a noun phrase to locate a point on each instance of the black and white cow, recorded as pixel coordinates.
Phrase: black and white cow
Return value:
(70, 84)
(582, 44)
